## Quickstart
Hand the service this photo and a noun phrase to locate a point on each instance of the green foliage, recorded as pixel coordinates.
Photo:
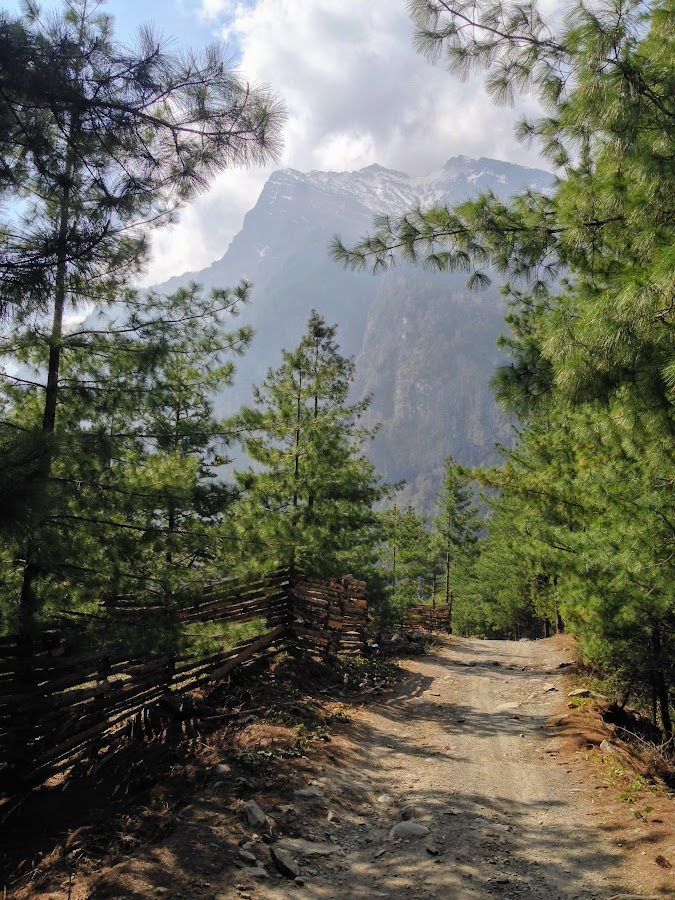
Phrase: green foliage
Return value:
(103, 139)
(102, 142)
(456, 531)
(419, 564)
(133, 503)
(309, 497)
(406, 564)
(582, 511)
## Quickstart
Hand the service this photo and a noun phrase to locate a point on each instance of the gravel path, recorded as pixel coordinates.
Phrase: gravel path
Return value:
(465, 747)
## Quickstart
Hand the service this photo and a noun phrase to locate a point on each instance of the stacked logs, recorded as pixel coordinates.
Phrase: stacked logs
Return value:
(330, 615)
(428, 618)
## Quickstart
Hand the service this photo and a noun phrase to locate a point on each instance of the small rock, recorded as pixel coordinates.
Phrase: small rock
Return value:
(301, 882)
(549, 688)
(247, 857)
(580, 692)
(255, 817)
(408, 812)
(258, 872)
(306, 848)
(384, 798)
(308, 793)
(407, 829)
(333, 817)
(434, 849)
(606, 747)
(222, 770)
(285, 862)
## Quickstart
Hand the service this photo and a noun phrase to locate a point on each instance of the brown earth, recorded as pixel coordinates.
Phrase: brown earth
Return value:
(477, 744)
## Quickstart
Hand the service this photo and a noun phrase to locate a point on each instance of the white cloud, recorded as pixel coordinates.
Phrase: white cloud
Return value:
(356, 94)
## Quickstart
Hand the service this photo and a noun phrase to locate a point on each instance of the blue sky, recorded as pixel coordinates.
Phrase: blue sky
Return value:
(355, 91)
(178, 18)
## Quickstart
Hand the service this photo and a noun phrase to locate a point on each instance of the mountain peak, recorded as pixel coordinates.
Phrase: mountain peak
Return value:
(377, 169)
(380, 190)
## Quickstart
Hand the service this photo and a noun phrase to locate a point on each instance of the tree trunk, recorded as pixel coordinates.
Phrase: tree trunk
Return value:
(296, 463)
(310, 497)
(661, 691)
(29, 600)
(393, 570)
(559, 624)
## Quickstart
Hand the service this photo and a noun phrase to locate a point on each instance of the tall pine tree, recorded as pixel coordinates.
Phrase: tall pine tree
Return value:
(589, 277)
(308, 499)
(104, 143)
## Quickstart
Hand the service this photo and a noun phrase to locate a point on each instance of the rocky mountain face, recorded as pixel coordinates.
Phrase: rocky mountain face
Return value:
(424, 344)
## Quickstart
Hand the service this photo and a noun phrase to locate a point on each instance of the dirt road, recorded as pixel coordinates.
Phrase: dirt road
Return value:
(464, 749)
(469, 749)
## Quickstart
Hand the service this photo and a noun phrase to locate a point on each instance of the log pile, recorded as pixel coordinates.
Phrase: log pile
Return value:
(329, 616)
(428, 618)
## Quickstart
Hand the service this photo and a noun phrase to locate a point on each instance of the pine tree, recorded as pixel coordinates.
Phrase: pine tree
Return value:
(135, 498)
(457, 523)
(589, 269)
(408, 561)
(308, 500)
(105, 142)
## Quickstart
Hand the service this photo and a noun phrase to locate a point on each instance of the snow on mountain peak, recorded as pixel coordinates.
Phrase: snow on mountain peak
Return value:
(389, 191)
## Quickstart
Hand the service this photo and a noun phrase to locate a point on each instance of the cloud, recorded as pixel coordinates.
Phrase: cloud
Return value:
(356, 94)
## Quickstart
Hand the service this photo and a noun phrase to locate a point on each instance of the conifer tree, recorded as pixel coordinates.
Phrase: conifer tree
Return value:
(134, 494)
(308, 500)
(457, 524)
(408, 559)
(104, 143)
(589, 278)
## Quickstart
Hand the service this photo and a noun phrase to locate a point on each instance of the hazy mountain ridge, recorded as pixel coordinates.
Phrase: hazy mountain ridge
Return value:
(424, 345)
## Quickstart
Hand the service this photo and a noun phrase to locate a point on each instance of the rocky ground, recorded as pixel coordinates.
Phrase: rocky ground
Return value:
(470, 778)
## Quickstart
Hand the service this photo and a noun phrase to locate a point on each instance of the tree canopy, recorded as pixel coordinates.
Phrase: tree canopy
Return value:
(588, 270)
(308, 499)
(102, 143)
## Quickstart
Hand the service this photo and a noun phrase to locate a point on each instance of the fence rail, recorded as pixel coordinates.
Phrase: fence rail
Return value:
(81, 691)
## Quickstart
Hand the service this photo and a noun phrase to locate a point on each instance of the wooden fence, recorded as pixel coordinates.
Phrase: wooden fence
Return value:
(82, 691)
(429, 618)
